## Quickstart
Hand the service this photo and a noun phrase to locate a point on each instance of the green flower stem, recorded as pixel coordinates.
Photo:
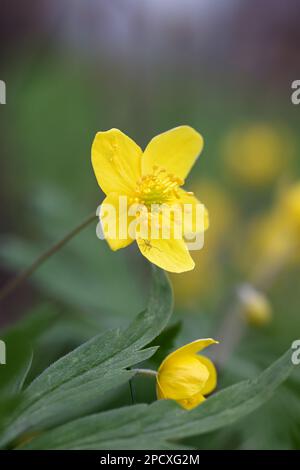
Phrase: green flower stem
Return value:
(148, 372)
(234, 326)
(20, 278)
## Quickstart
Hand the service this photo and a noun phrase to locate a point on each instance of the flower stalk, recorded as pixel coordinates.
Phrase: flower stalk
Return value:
(11, 286)
(145, 372)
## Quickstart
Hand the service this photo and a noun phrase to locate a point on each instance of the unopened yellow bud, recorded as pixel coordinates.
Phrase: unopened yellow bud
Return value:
(256, 307)
(186, 377)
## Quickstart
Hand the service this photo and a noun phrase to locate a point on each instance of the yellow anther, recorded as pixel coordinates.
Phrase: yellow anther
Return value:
(158, 187)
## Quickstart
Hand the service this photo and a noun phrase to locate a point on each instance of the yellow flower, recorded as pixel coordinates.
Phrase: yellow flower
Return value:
(290, 207)
(186, 377)
(150, 178)
(274, 237)
(257, 154)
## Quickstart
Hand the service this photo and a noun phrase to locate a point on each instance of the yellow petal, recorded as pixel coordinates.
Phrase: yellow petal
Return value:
(159, 392)
(183, 378)
(196, 219)
(116, 160)
(171, 255)
(187, 403)
(115, 221)
(175, 150)
(212, 379)
(191, 348)
(190, 403)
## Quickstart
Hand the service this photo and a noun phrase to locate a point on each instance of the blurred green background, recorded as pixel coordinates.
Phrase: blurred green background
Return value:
(73, 68)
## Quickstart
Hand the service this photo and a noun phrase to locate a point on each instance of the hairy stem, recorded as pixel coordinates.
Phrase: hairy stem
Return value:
(148, 372)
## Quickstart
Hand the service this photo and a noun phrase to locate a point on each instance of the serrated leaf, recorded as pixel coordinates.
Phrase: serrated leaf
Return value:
(163, 423)
(74, 384)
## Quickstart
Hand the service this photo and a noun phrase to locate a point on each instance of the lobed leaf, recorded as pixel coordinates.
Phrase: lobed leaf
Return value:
(75, 383)
(162, 423)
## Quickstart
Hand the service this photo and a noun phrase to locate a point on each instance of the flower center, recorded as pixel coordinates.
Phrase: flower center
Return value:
(157, 188)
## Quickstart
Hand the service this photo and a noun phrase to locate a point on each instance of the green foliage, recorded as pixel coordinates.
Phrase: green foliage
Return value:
(57, 102)
(163, 423)
(73, 387)
(75, 383)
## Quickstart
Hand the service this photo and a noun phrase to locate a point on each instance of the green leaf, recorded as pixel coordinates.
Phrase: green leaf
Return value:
(7, 406)
(166, 341)
(19, 340)
(161, 424)
(74, 384)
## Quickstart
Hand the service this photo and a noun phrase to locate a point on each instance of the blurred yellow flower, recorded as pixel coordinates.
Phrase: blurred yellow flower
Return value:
(257, 154)
(273, 238)
(256, 307)
(186, 377)
(222, 209)
(268, 239)
(149, 178)
(207, 275)
(199, 283)
(289, 207)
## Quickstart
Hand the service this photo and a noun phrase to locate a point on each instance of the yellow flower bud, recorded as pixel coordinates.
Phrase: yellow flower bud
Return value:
(186, 377)
(256, 307)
